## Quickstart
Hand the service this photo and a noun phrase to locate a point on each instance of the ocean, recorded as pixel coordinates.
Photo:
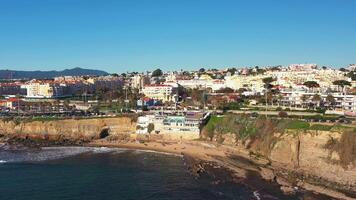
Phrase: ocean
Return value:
(88, 173)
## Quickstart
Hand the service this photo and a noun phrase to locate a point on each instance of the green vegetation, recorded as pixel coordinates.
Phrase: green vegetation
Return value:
(260, 133)
(297, 124)
(247, 129)
(321, 127)
(212, 124)
(157, 73)
(232, 106)
(151, 127)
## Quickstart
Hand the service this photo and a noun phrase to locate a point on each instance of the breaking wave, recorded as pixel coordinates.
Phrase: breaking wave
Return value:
(13, 155)
(10, 154)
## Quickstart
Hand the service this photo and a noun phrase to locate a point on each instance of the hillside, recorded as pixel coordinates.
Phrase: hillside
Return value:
(14, 74)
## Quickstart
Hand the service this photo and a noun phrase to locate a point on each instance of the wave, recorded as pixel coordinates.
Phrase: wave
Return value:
(54, 153)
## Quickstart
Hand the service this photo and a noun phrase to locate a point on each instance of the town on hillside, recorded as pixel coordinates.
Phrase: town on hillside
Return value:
(180, 101)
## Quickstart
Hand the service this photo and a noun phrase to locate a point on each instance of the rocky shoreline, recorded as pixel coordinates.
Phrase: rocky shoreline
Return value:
(204, 159)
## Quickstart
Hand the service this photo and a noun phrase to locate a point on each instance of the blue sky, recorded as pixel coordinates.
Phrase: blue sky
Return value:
(138, 35)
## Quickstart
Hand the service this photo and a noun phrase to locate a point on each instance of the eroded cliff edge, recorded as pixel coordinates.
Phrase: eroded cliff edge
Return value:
(81, 130)
(308, 158)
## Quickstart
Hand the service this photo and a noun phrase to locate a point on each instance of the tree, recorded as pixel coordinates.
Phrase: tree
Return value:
(267, 83)
(342, 84)
(330, 99)
(232, 71)
(283, 114)
(352, 75)
(201, 70)
(343, 69)
(316, 99)
(150, 127)
(186, 73)
(303, 98)
(311, 84)
(157, 73)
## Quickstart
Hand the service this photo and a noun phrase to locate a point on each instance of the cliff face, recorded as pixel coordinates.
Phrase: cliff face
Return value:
(86, 129)
(307, 153)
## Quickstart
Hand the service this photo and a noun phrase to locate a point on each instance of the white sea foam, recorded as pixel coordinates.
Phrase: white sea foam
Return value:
(54, 153)
(257, 195)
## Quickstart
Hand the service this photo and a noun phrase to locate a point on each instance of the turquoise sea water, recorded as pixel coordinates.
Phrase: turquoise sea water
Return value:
(100, 173)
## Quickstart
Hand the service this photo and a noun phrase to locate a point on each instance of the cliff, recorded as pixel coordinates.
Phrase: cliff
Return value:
(71, 129)
(306, 156)
(309, 153)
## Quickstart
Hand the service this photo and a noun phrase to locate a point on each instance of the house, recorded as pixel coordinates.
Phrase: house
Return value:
(143, 123)
(188, 123)
(12, 103)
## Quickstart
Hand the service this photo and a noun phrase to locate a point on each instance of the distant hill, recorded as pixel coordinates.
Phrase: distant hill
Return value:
(14, 74)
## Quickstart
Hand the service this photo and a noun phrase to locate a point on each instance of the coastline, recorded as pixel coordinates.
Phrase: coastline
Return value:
(233, 165)
(237, 163)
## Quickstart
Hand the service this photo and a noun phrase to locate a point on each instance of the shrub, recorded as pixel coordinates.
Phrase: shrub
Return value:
(279, 109)
(283, 114)
(320, 110)
(297, 124)
(232, 106)
(287, 109)
(151, 127)
(321, 127)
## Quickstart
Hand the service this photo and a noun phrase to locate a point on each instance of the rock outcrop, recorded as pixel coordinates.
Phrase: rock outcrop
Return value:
(305, 157)
(71, 129)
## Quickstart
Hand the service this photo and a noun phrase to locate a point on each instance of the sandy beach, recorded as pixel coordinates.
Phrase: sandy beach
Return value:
(241, 165)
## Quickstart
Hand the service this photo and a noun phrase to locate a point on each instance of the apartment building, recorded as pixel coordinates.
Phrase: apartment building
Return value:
(39, 89)
(162, 92)
(12, 89)
(302, 98)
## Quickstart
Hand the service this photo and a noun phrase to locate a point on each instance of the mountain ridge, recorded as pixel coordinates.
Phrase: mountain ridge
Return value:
(39, 74)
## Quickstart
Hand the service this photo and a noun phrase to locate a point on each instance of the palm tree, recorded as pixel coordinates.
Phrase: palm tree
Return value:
(66, 104)
(316, 100)
(303, 98)
(267, 84)
(331, 100)
(279, 98)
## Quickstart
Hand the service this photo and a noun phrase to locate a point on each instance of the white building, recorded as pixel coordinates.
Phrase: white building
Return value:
(300, 98)
(138, 81)
(160, 92)
(39, 89)
(143, 123)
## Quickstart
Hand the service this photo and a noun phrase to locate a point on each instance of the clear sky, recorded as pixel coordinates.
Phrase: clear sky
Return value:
(138, 35)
